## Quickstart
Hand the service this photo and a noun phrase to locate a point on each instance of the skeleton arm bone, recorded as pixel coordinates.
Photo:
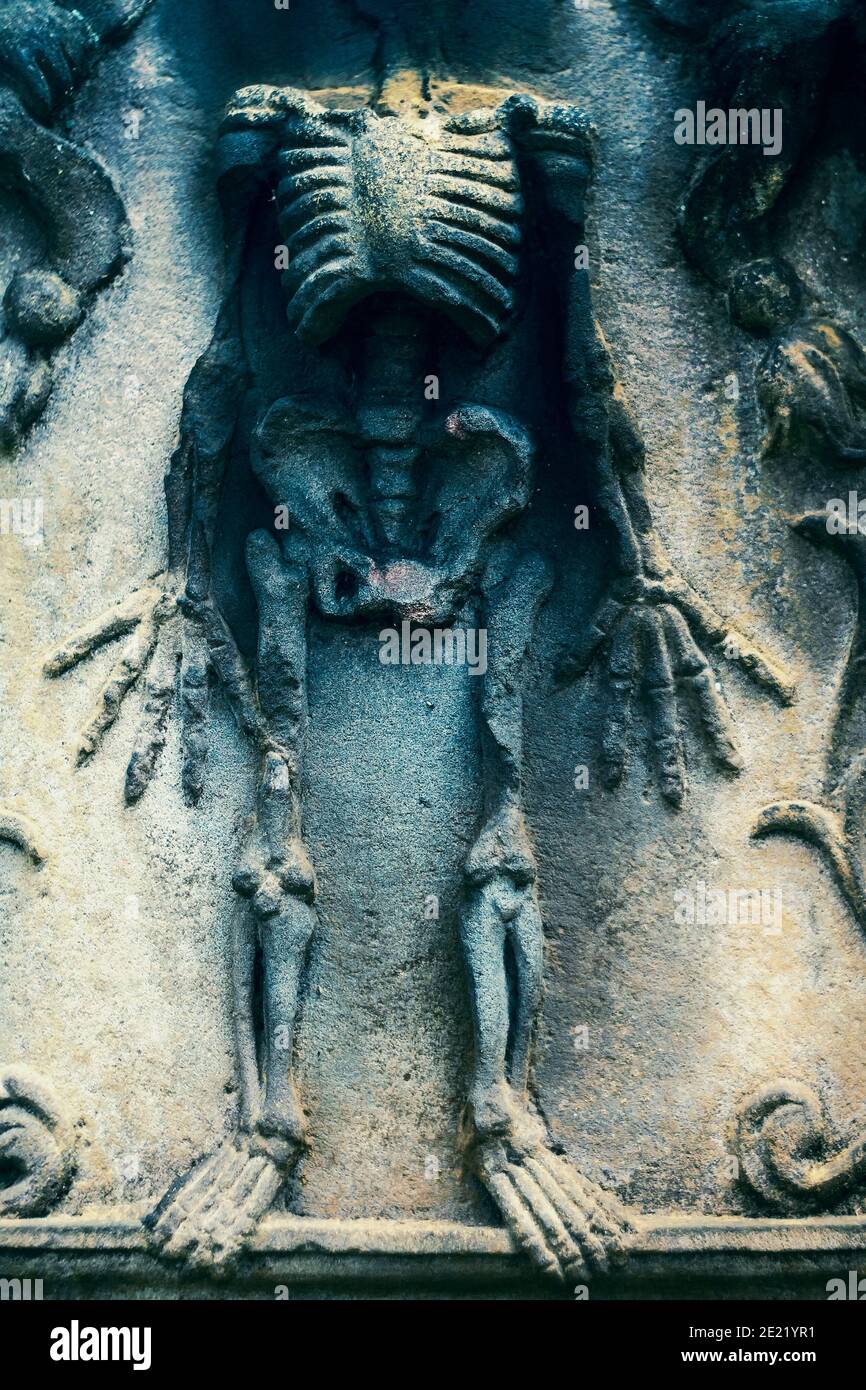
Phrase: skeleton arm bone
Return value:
(651, 624)
(175, 634)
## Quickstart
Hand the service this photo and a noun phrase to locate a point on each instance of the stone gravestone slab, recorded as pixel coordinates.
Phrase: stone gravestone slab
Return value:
(432, 659)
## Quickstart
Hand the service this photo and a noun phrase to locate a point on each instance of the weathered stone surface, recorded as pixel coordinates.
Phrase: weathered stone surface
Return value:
(432, 324)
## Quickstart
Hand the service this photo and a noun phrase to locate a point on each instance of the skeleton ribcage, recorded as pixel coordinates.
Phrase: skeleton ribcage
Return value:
(366, 204)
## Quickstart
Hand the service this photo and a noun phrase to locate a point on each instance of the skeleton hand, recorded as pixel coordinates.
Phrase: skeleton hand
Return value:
(45, 51)
(166, 631)
(647, 633)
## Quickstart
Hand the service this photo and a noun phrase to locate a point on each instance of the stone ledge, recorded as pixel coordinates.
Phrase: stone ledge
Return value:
(111, 1249)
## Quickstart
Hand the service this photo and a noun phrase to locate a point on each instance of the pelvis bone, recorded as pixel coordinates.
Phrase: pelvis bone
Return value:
(381, 500)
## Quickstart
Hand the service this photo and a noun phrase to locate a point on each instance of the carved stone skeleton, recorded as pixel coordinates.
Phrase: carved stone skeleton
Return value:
(435, 244)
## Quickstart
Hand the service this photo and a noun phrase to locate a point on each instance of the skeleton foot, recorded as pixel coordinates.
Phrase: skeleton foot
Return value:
(208, 1219)
(569, 1227)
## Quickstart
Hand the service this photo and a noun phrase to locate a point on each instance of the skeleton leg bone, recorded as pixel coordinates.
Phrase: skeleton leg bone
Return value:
(567, 1225)
(209, 1218)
